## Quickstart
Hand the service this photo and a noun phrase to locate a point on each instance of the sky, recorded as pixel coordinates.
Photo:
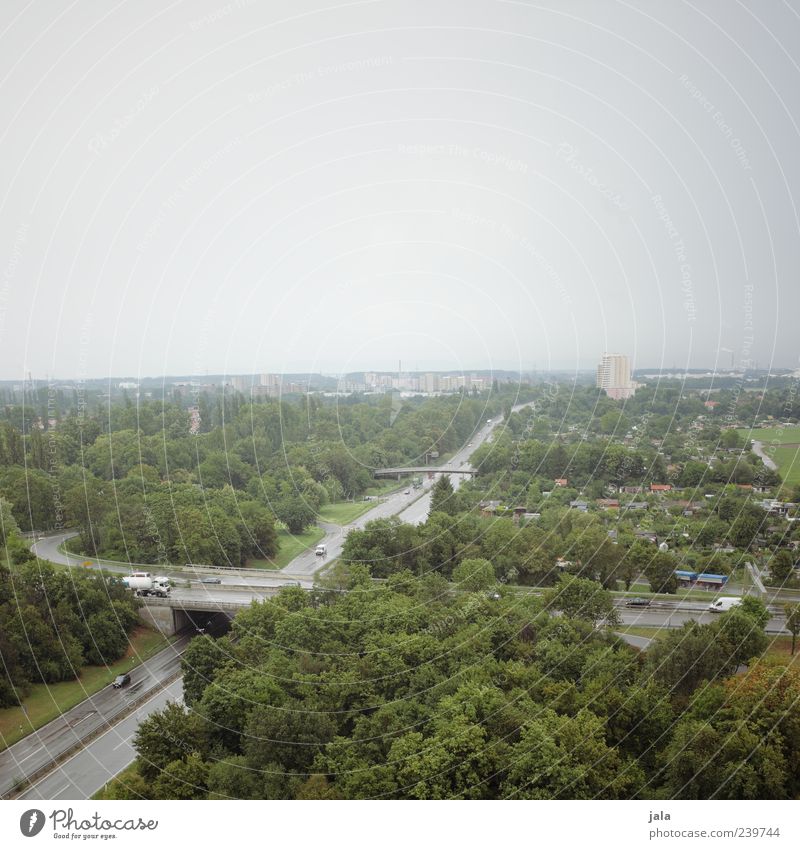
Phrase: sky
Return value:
(308, 186)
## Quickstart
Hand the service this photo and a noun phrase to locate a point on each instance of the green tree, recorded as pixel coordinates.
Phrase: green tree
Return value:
(582, 598)
(185, 778)
(792, 613)
(444, 498)
(561, 757)
(296, 513)
(199, 663)
(474, 574)
(165, 734)
(660, 573)
(781, 566)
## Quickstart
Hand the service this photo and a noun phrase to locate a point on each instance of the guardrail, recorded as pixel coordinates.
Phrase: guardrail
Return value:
(109, 722)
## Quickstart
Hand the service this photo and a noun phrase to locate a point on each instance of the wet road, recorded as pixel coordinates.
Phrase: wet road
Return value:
(98, 711)
(82, 775)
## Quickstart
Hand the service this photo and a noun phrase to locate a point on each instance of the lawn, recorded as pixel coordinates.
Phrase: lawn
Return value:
(787, 459)
(344, 512)
(773, 435)
(290, 546)
(45, 702)
(780, 649)
(387, 486)
(782, 444)
(640, 631)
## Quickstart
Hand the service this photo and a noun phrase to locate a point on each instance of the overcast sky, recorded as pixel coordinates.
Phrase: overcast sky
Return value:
(294, 186)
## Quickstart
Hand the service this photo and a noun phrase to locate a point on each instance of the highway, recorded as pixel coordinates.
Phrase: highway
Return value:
(52, 741)
(417, 513)
(83, 774)
(407, 503)
(41, 747)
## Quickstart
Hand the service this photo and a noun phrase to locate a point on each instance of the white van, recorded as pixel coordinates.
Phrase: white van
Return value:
(723, 604)
(322, 550)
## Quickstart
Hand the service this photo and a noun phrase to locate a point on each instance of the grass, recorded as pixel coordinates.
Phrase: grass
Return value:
(776, 435)
(45, 702)
(290, 546)
(639, 631)
(385, 487)
(344, 512)
(781, 444)
(787, 459)
(780, 649)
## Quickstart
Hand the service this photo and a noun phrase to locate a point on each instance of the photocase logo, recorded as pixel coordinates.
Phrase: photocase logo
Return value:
(31, 822)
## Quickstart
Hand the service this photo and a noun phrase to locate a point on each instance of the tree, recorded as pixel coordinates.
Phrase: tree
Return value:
(452, 764)
(739, 739)
(444, 498)
(474, 574)
(684, 657)
(562, 757)
(185, 778)
(581, 598)
(295, 512)
(781, 566)
(291, 735)
(199, 663)
(8, 524)
(744, 530)
(163, 734)
(792, 613)
(660, 573)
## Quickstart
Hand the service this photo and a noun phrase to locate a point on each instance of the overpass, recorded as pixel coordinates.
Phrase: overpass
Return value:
(418, 470)
(174, 613)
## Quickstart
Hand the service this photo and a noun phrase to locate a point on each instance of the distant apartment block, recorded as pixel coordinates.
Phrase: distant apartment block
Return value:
(614, 376)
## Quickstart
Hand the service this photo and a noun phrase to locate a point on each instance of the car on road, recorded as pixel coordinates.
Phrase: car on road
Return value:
(321, 550)
(638, 602)
(121, 680)
(407, 492)
(211, 580)
(721, 605)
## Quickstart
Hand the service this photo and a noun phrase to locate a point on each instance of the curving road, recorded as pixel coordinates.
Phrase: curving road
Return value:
(408, 504)
(757, 448)
(84, 773)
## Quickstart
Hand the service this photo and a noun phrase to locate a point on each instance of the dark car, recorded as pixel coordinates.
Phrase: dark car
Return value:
(638, 602)
(121, 681)
(211, 580)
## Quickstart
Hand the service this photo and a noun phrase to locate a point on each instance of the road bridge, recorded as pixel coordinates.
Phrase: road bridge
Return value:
(180, 609)
(419, 470)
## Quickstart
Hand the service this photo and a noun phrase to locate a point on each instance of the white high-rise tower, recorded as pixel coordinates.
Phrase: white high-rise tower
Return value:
(614, 375)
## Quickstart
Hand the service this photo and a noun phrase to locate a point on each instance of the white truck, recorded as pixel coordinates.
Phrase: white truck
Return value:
(322, 550)
(721, 605)
(143, 583)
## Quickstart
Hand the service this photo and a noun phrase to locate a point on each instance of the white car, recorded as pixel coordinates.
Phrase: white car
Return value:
(723, 604)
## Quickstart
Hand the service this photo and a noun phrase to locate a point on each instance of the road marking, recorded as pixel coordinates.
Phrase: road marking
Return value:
(123, 742)
(96, 739)
(34, 752)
